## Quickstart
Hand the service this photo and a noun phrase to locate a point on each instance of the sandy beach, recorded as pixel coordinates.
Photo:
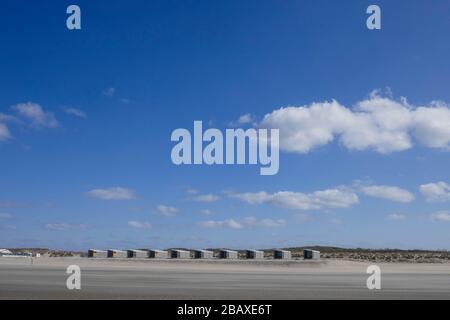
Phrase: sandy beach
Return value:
(45, 278)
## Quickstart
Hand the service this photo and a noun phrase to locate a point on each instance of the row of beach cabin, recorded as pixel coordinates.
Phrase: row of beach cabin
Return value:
(197, 254)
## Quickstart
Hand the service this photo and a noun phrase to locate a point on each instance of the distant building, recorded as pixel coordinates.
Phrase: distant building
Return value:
(203, 254)
(115, 253)
(254, 254)
(95, 253)
(179, 254)
(158, 254)
(281, 254)
(228, 254)
(137, 253)
(5, 252)
(311, 254)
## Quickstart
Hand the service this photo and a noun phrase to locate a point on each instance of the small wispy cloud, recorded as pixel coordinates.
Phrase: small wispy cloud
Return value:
(109, 92)
(75, 112)
(207, 212)
(242, 223)
(265, 222)
(4, 132)
(441, 216)
(64, 226)
(396, 217)
(206, 198)
(5, 216)
(229, 223)
(116, 193)
(167, 211)
(36, 115)
(243, 120)
(191, 191)
(13, 204)
(139, 224)
(125, 100)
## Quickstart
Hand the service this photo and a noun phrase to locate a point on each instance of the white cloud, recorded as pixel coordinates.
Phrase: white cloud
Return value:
(191, 191)
(207, 212)
(206, 198)
(436, 192)
(139, 224)
(325, 199)
(391, 193)
(442, 216)
(34, 113)
(7, 118)
(64, 226)
(377, 123)
(229, 223)
(265, 223)
(116, 193)
(432, 125)
(245, 222)
(125, 101)
(4, 132)
(5, 216)
(396, 217)
(109, 92)
(166, 210)
(75, 112)
(245, 119)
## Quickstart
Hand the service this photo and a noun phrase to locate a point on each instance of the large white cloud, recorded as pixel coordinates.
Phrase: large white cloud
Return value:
(116, 193)
(377, 123)
(432, 125)
(436, 192)
(326, 199)
(391, 193)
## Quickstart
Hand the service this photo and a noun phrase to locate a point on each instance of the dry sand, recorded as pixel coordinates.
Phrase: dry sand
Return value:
(45, 278)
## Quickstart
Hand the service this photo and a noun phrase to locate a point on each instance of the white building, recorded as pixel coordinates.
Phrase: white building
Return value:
(228, 254)
(281, 254)
(254, 254)
(203, 254)
(179, 254)
(5, 252)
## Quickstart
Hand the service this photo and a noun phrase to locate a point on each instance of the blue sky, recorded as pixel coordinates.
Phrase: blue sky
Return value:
(86, 118)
